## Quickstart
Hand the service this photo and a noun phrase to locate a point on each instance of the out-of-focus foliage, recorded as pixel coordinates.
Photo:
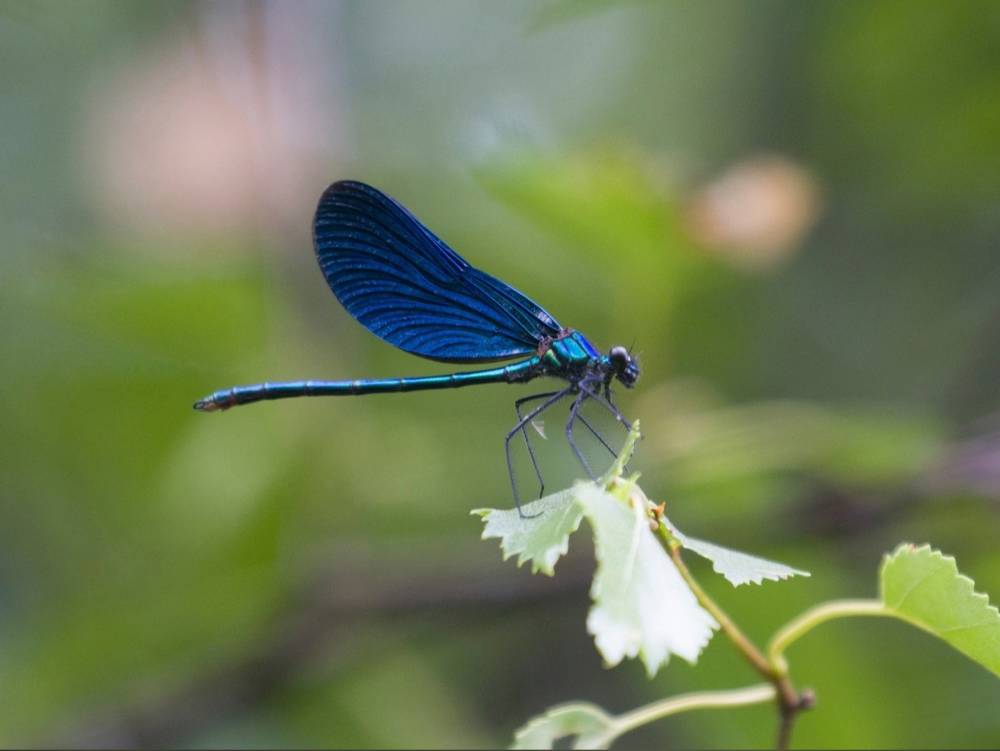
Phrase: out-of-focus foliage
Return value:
(306, 573)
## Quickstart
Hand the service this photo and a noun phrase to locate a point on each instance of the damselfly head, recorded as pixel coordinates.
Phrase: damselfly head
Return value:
(626, 368)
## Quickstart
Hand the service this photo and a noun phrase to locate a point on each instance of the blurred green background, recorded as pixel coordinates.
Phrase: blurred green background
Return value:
(792, 209)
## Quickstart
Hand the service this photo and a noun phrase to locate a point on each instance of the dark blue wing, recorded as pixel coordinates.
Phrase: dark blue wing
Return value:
(409, 288)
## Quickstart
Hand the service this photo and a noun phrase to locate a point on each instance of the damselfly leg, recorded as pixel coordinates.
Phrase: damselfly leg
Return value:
(574, 413)
(521, 423)
(598, 397)
(610, 406)
(593, 432)
(527, 439)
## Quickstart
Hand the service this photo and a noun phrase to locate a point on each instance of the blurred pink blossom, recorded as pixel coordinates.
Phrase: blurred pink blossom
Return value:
(228, 128)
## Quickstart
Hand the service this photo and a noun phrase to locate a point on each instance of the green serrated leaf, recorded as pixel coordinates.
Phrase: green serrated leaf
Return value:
(540, 533)
(642, 606)
(738, 568)
(924, 587)
(590, 726)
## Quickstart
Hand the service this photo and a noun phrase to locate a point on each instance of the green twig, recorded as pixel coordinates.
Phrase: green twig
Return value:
(790, 702)
(809, 620)
(686, 702)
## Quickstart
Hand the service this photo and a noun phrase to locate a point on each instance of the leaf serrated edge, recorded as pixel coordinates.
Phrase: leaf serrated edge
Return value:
(759, 579)
(637, 506)
(522, 557)
(967, 584)
(692, 543)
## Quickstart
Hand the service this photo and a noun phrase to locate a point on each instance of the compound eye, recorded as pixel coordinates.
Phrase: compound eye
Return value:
(619, 354)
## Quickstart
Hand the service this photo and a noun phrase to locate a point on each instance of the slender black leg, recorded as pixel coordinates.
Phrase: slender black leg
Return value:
(593, 432)
(600, 438)
(520, 426)
(598, 397)
(527, 439)
(607, 402)
(573, 414)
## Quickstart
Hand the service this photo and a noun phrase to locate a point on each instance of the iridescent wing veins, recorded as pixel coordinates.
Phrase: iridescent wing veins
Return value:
(408, 287)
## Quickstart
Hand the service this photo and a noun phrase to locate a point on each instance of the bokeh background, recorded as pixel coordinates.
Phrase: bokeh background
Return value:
(790, 209)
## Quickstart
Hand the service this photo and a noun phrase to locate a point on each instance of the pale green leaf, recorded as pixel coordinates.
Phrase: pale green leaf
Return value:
(589, 725)
(642, 606)
(540, 533)
(924, 587)
(738, 568)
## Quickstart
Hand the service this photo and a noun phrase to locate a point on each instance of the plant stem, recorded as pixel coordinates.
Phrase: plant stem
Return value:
(790, 702)
(701, 700)
(748, 649)
(814, 617)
